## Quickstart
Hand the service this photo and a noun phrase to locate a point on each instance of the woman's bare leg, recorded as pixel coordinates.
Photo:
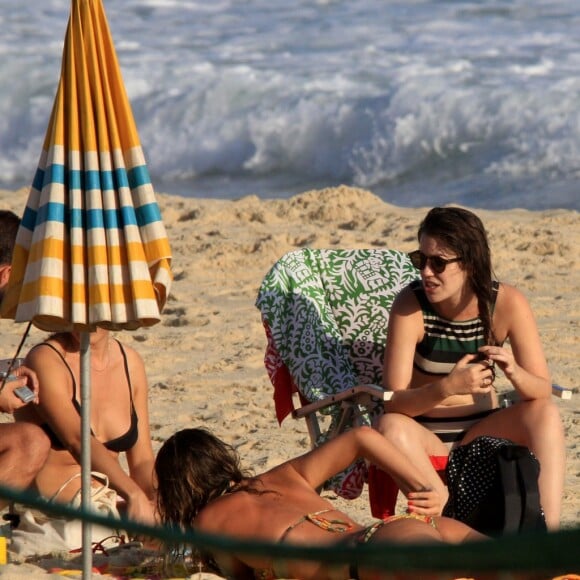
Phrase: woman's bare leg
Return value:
(456, 532)
(417, 444)
(413, 531)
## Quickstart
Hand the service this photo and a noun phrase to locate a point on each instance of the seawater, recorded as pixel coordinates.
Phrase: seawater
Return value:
(423, 102)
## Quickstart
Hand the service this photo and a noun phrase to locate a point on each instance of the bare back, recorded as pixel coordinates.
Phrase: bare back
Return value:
(279, 498)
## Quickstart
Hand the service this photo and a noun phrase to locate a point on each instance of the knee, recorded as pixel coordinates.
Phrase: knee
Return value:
(33, 444)
(541, 421)
(543, 414)
(397, 428)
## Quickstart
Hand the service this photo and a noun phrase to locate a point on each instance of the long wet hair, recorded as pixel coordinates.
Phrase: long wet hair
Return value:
(463, 233)
(194, 467)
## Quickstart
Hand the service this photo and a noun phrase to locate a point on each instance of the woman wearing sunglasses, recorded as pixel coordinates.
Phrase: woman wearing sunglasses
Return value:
(447, 337)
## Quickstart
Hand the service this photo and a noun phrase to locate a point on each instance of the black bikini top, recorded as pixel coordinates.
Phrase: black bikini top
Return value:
(117, 445)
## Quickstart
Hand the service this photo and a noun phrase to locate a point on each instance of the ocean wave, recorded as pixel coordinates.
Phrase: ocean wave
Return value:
(462, 102)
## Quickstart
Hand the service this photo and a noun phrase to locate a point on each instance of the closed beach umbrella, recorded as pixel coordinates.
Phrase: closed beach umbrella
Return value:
(92, 250)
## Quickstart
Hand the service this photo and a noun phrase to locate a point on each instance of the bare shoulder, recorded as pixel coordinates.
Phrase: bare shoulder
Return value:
(286, 475)
(510, 298)
(513, 313)
(43, 354)
(406, 302)
(133, 357)
(223, 512)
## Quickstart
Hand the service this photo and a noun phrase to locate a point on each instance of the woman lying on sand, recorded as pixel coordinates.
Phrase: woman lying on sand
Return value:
(201, 485)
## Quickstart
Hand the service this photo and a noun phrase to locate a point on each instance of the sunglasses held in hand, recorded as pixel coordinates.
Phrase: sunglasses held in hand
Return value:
(436, 263)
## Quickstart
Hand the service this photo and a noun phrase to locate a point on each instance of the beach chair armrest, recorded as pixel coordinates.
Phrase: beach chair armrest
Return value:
(351, 394)
(379, 393)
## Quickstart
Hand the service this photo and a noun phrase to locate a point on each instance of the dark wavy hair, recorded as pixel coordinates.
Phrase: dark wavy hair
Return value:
(9, 224)
(194, 467)
(462, 232)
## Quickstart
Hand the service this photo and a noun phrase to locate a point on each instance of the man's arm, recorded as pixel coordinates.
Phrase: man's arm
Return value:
(22, 377)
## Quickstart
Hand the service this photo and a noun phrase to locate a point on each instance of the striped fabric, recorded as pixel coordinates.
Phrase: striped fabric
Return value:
(92, 249)
(445, 341)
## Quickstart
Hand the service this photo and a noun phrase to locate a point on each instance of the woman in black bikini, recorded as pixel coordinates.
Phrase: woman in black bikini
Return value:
(200, 484)
(119, 419)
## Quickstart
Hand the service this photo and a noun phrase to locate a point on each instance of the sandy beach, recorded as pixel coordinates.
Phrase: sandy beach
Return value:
(205, 358)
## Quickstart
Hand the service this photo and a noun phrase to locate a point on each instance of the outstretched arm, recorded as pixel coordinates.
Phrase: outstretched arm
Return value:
(361, 442)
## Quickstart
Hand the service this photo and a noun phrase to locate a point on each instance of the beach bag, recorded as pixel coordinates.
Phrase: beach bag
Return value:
(493, 487)
(38, 533)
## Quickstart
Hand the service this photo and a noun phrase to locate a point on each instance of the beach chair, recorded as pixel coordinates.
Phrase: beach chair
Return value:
(325, 313)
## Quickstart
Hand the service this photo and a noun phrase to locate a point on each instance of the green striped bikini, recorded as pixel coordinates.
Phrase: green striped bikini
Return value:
(444, 343)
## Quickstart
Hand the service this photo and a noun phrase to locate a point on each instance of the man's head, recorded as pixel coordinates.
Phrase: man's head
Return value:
(9, 223)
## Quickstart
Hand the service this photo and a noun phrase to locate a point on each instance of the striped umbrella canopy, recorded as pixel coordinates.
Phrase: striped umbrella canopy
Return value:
(92, 249)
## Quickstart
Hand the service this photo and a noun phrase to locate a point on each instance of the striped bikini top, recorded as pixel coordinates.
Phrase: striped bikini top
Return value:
(446, 341)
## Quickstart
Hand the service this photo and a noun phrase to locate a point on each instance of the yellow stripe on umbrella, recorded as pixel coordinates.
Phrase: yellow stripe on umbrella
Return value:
(92, 249)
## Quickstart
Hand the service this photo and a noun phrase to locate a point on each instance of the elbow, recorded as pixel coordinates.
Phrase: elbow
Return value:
(542, 392)
(363, 431)
(74, 448)
(546, 392)
(72, 444)
(362, 435)
(549, 389)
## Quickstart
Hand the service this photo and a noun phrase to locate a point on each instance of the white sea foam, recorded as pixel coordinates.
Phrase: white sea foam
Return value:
(423, 102)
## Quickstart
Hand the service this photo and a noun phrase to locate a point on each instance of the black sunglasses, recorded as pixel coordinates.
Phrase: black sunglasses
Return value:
(437, 263)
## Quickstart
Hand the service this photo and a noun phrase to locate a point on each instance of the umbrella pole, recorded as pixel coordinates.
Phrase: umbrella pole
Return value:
(87, 548)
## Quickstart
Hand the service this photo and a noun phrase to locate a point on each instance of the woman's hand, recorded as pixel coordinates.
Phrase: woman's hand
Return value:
(141, 509)
(504, 359)
(426, 502)
(471, 376)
